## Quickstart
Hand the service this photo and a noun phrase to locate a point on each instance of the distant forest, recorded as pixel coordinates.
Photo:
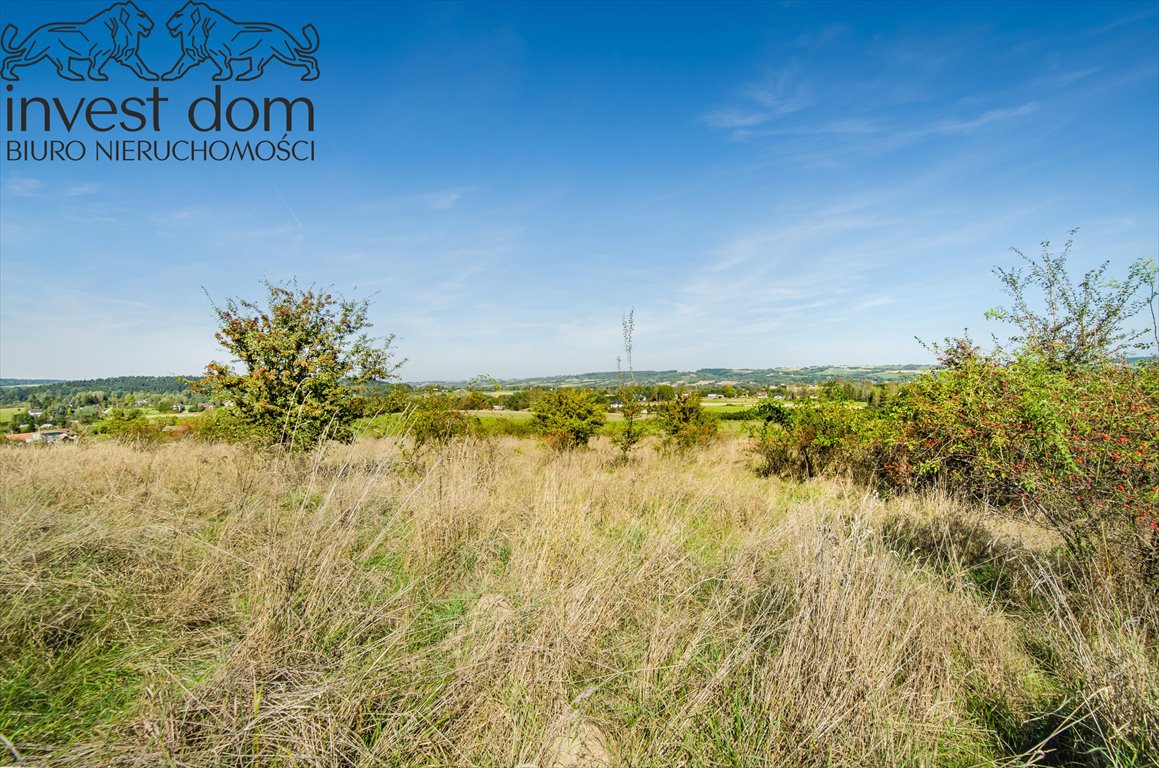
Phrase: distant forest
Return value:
(22, 390)
(16, 391)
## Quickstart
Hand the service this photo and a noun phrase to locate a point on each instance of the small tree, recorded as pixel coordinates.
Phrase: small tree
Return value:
(628, 393)
(684, 421)
(1067, 325)
(434, 417)
(569, 418)
(519, 400)
(304, 356)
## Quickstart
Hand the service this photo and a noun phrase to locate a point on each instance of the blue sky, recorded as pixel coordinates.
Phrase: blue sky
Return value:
(766, 184)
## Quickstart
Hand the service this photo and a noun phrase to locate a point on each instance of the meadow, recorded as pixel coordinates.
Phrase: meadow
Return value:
(491, 602)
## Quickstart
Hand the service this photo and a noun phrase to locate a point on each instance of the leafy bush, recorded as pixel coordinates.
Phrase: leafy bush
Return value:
(435, 418)
(227, 426)
(378, 400)
(1058, 427)
(508, 427)
(827, 436)
(475, 401)
(303, 354)
(684, 422)
(568, 418)
(1074, 326)
(516, 401)
(629, 396)
(748, 414)
(136, 429)
(1075, 449)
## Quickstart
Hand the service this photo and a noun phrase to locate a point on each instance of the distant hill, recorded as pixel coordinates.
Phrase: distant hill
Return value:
(719, 377)
(14, 391)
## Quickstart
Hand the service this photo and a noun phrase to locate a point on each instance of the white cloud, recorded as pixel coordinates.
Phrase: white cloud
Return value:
(735, 118)
(84, 188)
(991, 116)
(23, 186)
(445, 198)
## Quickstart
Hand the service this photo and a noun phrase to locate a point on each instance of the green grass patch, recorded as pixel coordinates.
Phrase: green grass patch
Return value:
(53, 695)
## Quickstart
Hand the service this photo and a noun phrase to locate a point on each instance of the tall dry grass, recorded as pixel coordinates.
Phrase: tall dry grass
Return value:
(493, 603)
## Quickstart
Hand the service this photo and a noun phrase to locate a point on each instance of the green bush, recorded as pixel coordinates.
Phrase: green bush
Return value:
(827, 436)
(516, 401)
(1075, 449)
(134, 430)
(227, 426)
(507, 426)
(683, 421)
(475, 401)
(568, 418)
(748, 414)
(434, 418)
(304, 358)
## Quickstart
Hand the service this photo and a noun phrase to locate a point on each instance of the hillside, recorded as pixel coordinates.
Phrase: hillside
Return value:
(719, 377)
(19, 390)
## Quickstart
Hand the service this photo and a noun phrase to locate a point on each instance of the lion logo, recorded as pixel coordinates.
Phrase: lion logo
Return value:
(111, 35)
(208, 34)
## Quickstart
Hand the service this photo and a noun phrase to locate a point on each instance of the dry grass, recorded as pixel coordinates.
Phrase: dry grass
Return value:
(496, 604)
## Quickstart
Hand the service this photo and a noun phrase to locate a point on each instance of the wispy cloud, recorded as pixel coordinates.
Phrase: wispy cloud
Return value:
(1149, 11)
(781, 93)
(735, 118)
(870, 303)
(435, 200)
(970, 124)
(1063, 79)
(23, 186)
(84, 188)
(176, 216)
(444, 198)
(832, 143)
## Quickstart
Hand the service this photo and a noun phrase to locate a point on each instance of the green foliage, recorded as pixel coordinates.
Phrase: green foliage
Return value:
(744, 414)
(475, 401)
(629, 396)
(1148, 272)
(502, 425)
(662, 392)
(303, 356)
(434, 417)
(226, 425)
(1074, 449)
(568, 418)
(517, 401)
(133, 429)
(826, 436)
(391, 398)
(683, 421)
(1068, 325)
(108, 389)
(1052, 428)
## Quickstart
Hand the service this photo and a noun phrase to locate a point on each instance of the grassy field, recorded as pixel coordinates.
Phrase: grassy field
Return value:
(492, 603)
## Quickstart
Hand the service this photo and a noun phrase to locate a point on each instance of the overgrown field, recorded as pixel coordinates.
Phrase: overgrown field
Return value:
(495, 603)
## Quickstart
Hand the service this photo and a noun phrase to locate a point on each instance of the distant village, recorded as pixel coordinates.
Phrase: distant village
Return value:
(62, 412)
